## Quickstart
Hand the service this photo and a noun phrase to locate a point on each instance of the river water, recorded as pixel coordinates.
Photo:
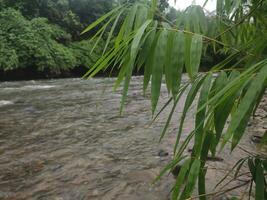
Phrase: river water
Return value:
(65, 140)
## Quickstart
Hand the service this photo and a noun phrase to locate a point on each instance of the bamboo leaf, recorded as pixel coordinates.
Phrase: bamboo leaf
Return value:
(130, 20)
(153, 8)
(202, 184)
(260, 190)
(171, 113)
(131, 62)
(230, 171)
(177, 62)
(129, 69)
(192, 178)
(222, 111)
(241, 117)
(238, 167)
(188, 40)
(157, 70)
(195, 55)
(181, 178)
(168, 167)
(101, 19)
(141, 16)
(189, 100)
(168, 59)
(199, 122)
(136, 40)
(203, 170)
(112, 31)
(150, 61)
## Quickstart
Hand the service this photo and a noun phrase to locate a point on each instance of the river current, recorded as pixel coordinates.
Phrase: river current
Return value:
(65, 140)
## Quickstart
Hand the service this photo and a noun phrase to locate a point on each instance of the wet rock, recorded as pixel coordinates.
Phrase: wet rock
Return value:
(256, 139)
(210, 157)
(162, 153)
(176, 170)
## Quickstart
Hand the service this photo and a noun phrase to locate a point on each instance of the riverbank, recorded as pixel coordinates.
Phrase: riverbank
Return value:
(33, 74)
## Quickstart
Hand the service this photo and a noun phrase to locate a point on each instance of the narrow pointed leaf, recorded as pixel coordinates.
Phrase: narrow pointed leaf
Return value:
(241, 117)
(195, 55)
(260, 190)
(192, 178)
(157, 70)
(180, 179)
(189, 100)
(101, 19)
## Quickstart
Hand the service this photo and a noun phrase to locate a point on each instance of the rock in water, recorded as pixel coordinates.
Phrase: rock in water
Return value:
(256, 139)
(162, 153)
(176, 170)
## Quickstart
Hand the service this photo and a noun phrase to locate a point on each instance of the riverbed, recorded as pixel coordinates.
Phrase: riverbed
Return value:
(64, 139)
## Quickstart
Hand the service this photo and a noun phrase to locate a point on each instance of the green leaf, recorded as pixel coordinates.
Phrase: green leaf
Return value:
(136, 40)
(171, 113)
(150, 59)
(189, 100)
(199, 122)
(141, 16)
(177, 62)
(168, 59)
(187, 53)
(260, 190)
(168, 167)
(203, 170)
(230, 171)
(264, 139)
(181, 178)
(153, 8)
(223, 110)
(130, 64)
(238, 167)
(157, 70)
(112, 31)
(101, 19)
(195, 55)
(241, 117)
(129, 69)
(202, 184)
(130, 20)
(192, 178)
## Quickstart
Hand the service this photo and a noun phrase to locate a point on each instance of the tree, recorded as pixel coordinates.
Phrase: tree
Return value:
(43, 35)
(166, 49)
(33, 43)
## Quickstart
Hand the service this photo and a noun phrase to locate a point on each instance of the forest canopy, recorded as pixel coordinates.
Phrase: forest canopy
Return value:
(44, 36)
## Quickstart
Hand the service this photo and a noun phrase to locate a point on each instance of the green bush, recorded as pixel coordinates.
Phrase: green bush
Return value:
(36, 43)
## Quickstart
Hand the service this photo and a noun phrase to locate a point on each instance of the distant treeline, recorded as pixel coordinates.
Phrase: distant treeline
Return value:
(42, 37)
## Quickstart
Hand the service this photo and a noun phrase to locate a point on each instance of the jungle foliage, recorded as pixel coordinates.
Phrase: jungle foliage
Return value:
(45, 34)
(166, 47)
(23, 46)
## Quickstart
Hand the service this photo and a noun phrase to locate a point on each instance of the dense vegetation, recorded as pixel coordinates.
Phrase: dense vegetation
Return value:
(168, 48)
(43, 36)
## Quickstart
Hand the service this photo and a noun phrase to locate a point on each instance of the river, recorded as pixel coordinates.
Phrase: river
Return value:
(65, 140)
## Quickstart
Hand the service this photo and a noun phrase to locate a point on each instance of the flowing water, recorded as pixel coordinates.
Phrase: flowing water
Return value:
(65, 140)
